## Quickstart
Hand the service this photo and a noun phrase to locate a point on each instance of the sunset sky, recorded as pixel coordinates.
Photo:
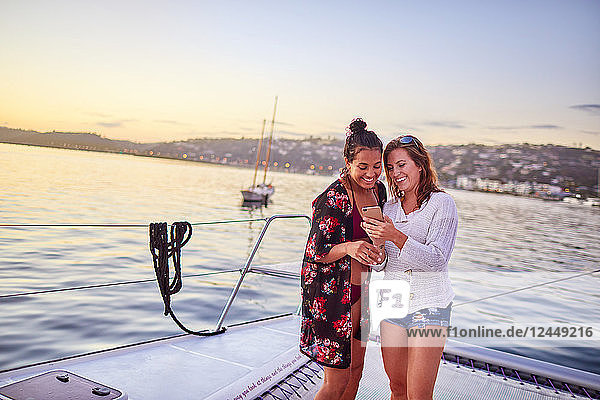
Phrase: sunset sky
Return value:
(449, 72)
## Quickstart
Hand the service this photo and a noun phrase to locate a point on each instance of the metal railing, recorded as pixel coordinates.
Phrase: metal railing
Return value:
(219, 327)
(249, 262)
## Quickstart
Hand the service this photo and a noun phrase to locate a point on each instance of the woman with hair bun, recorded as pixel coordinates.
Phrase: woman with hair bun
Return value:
(420, 228)
(335, 267)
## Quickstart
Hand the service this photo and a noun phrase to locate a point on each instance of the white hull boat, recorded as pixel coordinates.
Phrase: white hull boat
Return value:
(259, 193)
(261, 360)
(262, 192)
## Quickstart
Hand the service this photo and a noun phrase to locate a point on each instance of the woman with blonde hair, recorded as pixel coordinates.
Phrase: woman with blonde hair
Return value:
(420, 228)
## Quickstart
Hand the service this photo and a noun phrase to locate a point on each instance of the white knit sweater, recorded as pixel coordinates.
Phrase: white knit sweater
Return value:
(423, 260)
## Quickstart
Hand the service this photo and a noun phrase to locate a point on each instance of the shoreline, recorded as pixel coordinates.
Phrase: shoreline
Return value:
(275, 169)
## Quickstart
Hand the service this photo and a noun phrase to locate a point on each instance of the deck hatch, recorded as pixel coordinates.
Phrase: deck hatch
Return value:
(59, 385)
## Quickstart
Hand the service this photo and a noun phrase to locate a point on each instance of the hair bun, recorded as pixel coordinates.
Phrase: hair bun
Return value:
(357, 125)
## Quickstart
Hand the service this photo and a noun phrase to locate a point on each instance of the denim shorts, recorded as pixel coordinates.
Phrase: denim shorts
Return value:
(426, 316)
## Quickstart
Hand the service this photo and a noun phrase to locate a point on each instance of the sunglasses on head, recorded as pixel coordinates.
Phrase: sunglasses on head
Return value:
(408, 140)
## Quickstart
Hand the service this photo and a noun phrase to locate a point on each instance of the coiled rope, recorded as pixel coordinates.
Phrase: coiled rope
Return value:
(162, 250)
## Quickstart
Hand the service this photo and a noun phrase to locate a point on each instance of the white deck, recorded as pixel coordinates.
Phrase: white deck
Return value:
(190, 366)
(247, 360)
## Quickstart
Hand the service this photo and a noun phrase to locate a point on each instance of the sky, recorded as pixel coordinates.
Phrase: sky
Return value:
(449, 72)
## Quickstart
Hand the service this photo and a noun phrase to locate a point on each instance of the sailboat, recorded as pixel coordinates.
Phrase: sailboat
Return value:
(262, 192)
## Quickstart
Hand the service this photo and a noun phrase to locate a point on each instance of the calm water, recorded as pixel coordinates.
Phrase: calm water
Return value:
(504, 243)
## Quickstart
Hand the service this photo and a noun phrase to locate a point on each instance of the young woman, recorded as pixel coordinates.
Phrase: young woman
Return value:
(337, 253)
(419, 228)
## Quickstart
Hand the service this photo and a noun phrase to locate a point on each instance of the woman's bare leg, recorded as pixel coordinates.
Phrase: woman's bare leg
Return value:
(424, 356)
(334, 383)
(394, 351)
(357, 356)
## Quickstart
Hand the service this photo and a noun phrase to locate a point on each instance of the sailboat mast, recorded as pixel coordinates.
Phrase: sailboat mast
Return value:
(262, 132)
(270, 140)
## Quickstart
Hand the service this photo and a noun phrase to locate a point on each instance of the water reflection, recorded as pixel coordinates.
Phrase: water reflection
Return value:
(255, 211)
(503, 243)
(253, 205)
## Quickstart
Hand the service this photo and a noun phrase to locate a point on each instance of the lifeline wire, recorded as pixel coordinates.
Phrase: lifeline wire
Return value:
(119, 225)
(110, 284)
(223, 222)
(526, 288)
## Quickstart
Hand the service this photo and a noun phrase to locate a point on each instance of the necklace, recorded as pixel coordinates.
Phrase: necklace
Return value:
(362, 191)
(407, 210)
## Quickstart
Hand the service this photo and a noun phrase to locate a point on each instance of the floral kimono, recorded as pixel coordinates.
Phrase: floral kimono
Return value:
(326, 323)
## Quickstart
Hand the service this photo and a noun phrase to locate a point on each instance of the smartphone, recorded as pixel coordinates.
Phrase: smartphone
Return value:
(373, 212)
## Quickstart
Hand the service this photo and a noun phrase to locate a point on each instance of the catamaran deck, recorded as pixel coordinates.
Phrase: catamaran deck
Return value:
(261, 360)
(257, 360)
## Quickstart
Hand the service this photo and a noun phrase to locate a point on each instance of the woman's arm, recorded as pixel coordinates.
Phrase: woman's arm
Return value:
(433, 255)
(360, 250)
(327, 239)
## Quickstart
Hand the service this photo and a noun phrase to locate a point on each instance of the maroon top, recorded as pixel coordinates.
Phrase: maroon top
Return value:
(357, 231)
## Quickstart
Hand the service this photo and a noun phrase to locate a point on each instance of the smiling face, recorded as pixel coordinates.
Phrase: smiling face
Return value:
(365, 168)
(405, 174)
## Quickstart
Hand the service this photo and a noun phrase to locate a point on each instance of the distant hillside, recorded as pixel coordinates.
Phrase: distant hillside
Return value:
(565, 167)
(82, 141)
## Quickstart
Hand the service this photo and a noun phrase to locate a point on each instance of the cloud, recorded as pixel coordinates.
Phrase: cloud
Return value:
(113, 124)
(283, 123)
(406, 128)
(109, 124)
(590, 108)
(521, 127)
(505, 128)
(445, 124)
(544, 127)
(168, 121)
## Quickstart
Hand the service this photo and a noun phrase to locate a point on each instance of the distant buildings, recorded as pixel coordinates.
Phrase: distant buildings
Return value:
(545, 171)
(532, 189)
